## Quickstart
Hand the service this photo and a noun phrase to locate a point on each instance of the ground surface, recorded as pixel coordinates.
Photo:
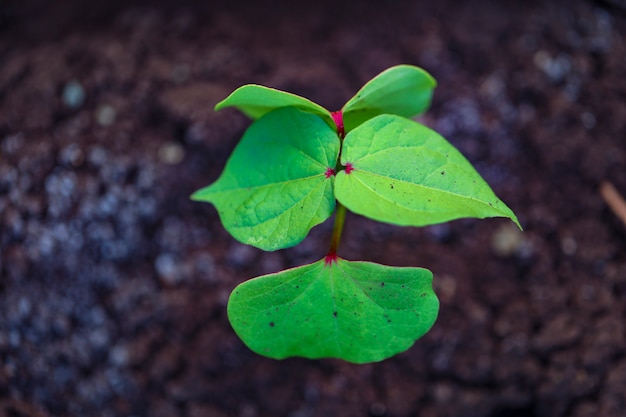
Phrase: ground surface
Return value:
(113, 284)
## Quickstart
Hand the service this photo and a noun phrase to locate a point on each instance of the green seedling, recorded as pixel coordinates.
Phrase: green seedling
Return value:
(299, 163)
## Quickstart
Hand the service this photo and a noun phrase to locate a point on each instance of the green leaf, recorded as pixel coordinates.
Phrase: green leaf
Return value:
(275, 185)
(403, 90)
(256, 101)
(404, 173)
(357, 311)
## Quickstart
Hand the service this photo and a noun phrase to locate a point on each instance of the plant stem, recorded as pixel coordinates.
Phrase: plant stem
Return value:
(340, 218)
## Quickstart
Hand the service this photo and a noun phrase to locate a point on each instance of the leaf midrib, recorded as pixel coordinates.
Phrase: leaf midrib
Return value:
(396, 203)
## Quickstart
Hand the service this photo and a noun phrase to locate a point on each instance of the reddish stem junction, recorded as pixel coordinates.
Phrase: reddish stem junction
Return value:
(338, 119)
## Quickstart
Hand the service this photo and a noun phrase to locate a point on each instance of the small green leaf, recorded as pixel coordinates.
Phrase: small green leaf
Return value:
(256, 100)
(401, 172)
(357, 311)
(403, 90)
(276, 185)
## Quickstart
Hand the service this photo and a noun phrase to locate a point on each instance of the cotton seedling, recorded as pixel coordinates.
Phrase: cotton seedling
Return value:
(297, 165)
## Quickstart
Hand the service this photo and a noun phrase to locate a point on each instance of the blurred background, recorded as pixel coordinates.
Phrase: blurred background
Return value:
(113, 284)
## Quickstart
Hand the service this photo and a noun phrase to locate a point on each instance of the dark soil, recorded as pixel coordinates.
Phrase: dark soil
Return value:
(114, 284)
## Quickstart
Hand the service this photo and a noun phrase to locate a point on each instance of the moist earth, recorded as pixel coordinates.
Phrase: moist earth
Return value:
(114, 284)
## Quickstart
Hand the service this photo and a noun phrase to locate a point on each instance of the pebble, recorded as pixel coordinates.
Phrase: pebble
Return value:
(588, 120)
(119, 355)
(97, 156)
(240, 255)
(72, 155)
(106, 115)
(507, 240)
(569, 245)
(556, 68)
(168, 269)
(196, 133)
(73, 94)
(171, 153)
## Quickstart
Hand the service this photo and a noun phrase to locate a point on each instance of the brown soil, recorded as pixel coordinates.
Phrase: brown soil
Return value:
(113, 284)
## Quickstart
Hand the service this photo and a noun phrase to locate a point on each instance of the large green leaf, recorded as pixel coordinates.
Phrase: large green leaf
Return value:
(401, 172)
(356, 311)
(256, 100)
(403, 90)
(276, 185)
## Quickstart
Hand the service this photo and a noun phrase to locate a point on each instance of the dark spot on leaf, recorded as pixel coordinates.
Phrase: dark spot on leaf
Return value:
(443, 172)
(388, 320)
(271, 324)
(382, 284)
(334, 314)
(423, 295)
(391, 186)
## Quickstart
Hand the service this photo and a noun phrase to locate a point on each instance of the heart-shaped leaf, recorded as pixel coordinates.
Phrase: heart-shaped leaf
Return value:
(276, 184)
(357, 311)
(256, 101)
(403, 90)
(401, 172)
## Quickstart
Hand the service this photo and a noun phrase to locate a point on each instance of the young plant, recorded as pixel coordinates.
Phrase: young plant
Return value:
(299, 163)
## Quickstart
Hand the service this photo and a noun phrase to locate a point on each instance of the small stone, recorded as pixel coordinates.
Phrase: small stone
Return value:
(569, 245)
(507, 240)
(241, 256)
(555, 68)
(105, 115)
(72, 155)
(588, 120)
(168, 269)
(171, 153)
(197, 133)
(99, 338)
(97, 156)
(119, 355)
(73, 94)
